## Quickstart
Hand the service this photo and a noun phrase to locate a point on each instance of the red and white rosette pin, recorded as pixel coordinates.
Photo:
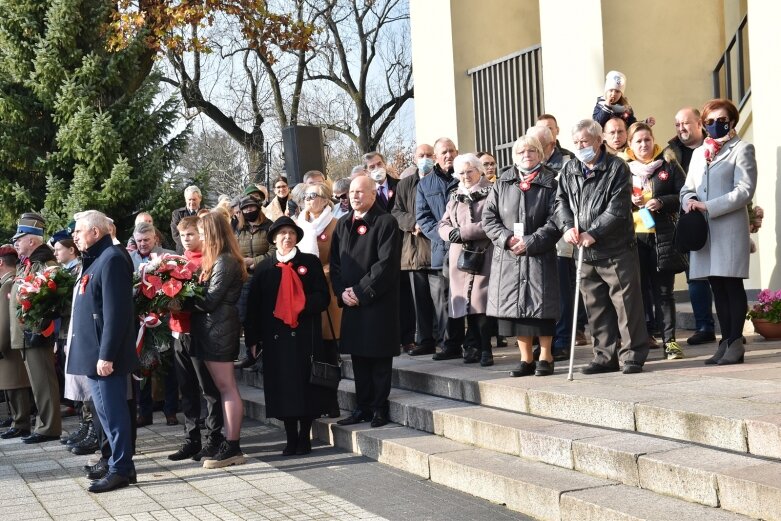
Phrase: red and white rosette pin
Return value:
(664, 176)
(302, 270)
(362, 229)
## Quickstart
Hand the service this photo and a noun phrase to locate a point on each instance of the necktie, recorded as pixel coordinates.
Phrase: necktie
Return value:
(381, 193)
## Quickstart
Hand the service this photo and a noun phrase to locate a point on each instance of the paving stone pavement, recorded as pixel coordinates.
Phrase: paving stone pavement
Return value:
(42, 482)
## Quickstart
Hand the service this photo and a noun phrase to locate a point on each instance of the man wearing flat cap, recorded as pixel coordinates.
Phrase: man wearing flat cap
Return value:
(37, 349)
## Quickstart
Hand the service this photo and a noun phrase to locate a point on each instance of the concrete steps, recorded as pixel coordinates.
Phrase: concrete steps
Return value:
(530, 461)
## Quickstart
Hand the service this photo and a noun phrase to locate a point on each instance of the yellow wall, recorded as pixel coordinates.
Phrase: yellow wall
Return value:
(667, 49)
(450, 37)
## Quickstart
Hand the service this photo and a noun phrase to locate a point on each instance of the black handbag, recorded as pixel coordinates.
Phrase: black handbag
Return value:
(471, 259)
(323, 374)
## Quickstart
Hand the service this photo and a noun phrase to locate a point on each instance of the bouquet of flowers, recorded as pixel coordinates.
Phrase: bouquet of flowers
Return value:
(163, 283)
(42, 298)
(768, 306)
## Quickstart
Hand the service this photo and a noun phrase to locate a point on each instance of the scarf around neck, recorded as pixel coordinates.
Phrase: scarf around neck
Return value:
(291, 298)
(712, 146)
(644, 170)
(313, 229)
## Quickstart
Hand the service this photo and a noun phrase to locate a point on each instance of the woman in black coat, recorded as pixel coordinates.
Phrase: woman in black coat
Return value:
(288, 324)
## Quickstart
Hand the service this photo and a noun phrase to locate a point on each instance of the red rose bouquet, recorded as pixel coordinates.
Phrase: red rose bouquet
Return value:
(161, 284)
(42, 298)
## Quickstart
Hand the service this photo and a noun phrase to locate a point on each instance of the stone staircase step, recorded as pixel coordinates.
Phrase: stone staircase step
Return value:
(536, 489)
(715, 408)
(696, 474)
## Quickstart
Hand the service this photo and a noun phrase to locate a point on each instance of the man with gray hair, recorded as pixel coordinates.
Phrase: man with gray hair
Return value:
(192, 200)
(314, 177)
(594, 212)
(145, 237)
(358, 171)
(102, 345)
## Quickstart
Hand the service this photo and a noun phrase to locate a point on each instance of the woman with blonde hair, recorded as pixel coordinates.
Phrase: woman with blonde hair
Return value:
(216, 327)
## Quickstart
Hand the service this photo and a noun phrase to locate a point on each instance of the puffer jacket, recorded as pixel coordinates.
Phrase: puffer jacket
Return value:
(666, 183)
(216, 318)
(253, 241)
(523, 286)
(603, 201)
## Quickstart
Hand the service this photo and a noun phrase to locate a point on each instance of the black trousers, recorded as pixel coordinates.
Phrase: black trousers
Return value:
(480, 329)
(195, 381)
(661, 285)
(451, 331)
(406, 311)
(731, 303)
(372, 382)
(425, 315)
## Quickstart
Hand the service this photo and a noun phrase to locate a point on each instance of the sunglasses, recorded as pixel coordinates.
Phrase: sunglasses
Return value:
(341, 196)
(722, 119)
(311, 196)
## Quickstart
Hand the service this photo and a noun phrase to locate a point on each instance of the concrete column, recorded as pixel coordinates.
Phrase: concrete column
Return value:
(764, 42)
(572, 60)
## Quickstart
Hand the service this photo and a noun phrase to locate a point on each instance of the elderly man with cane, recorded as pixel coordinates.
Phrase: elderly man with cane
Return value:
(594, 213)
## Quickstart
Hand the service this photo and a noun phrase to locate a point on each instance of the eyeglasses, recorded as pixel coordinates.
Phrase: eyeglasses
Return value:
(311, 196)
(722, 119)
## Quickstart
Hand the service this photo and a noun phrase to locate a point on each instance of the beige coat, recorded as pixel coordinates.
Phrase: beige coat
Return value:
(13, 374)
(335, 312)
(273, 211)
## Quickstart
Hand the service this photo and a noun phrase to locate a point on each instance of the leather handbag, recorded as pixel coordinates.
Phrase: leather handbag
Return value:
(323, 374)
(691, 231)
(471, 259)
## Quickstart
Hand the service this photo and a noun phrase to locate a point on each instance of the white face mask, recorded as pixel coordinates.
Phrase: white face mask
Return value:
(585, 155)
(378, 174)
(425, 165)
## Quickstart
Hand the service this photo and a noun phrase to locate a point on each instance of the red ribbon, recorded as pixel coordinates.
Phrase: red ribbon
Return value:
(49, 331)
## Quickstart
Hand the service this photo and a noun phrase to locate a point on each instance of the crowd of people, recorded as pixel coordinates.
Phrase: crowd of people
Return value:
(437, 261)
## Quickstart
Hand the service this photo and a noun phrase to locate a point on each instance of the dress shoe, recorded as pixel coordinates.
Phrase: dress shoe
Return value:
(355, 417)
(581, 339)
(544, 368)
(38, 438)
(734, 354)
(111, 481)
(188, 449)
(406, 348)
(632, 368)
(98, 470)
(143, 421)
(13, 432)
(718, 354)
(701, 337)
(447, 354)
(379, 419)
(7, 422)
(171, 420)
(421, 350)
(486, 358)
(471, 355)
(595, 368)
(561, 355)
(523, 369)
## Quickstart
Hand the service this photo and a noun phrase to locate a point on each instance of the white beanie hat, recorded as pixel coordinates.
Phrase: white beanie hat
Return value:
(615, 80)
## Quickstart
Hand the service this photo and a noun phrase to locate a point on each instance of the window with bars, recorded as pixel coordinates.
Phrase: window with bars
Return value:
(507, 96)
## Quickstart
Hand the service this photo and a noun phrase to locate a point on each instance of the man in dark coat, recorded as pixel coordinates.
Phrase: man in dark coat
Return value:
(594, 212)
(102, 347)
(192, 199)
(365, 265)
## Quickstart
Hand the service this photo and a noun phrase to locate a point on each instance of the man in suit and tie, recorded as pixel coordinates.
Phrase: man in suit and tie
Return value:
(103, 343)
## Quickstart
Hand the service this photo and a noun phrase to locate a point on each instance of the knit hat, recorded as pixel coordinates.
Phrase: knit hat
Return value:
(615, 80)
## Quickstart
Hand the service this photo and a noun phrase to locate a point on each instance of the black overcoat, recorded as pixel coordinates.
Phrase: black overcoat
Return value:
(104, 326)
(366, 255)
(287, 351)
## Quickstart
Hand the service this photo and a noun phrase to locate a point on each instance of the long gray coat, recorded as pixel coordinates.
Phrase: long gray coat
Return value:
(468, 293)
(726, 186)
(13, 374)
(524, 286)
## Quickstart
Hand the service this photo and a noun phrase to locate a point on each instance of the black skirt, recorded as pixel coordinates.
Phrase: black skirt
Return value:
(527, 327)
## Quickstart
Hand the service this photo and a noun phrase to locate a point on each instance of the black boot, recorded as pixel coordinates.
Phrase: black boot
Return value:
(304, 437)
(718, 354)
(487, 358)
(229, 454)
(88, 444)
(291, 430)
(77, 435)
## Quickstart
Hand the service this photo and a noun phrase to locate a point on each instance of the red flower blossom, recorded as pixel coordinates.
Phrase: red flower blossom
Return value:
(52, 285)
(26, 305)
(172, 287)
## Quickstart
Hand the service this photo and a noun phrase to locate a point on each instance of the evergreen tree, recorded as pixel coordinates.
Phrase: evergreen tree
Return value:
(80, 126)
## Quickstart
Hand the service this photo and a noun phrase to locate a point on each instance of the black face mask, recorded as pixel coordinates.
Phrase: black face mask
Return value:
(251, 217)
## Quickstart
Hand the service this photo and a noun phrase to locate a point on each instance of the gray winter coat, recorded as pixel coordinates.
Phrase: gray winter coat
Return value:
(524, 286)
(468, 293)
(726, 186)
